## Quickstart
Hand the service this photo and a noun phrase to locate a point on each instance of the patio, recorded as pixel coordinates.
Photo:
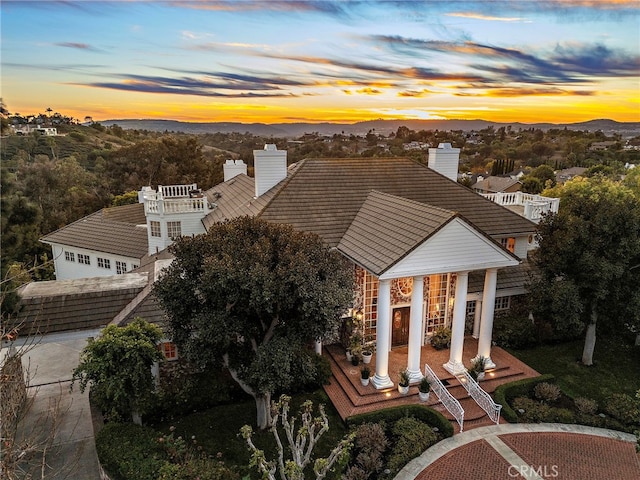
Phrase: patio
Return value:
(350, 397)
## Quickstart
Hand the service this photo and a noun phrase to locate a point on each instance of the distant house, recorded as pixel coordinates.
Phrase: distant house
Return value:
(426, 251)
(567, 174)
(493, 184)
(600, 146)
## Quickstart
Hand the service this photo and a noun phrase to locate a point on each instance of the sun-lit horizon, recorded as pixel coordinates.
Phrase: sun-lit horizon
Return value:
(287, 61)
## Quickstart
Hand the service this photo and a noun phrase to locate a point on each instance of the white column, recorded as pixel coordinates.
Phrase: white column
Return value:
(381, 378)
(415, 330)
(319, 347)
(476, 319)
(486, 323)
(455, 365)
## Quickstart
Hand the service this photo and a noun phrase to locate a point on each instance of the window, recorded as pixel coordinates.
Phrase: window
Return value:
(174, 229)
(471, 308)
(121, 267)
(84, 259)
(509, 243)
(169, 350)
(70, 256)
(134, 266)
(503, 303)
(155, 229)
(104, 263)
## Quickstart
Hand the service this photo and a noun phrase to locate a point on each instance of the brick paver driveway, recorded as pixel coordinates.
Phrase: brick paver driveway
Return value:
(537, 451)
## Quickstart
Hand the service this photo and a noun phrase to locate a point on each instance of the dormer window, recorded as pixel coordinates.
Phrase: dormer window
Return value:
(509, 243)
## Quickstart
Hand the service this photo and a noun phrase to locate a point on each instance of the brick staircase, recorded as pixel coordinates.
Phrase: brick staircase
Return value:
(350, 397)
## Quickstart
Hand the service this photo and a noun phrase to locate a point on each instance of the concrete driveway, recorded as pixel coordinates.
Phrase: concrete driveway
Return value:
(50, 363)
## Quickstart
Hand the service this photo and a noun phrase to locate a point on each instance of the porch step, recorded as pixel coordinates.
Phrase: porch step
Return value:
(351, 398)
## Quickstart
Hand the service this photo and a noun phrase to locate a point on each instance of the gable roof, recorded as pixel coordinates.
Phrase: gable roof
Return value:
(115, 230)
(325, 195)
(387, 227)
(495, 184)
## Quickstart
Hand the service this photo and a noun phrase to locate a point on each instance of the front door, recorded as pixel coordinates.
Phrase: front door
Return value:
(400, 326)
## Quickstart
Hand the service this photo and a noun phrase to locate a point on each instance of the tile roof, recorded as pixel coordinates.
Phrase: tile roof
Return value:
(87, 303)
(236, 198)
(509, 277)
(495, 184)
(324, 196)
(114, 230)
(387, 227)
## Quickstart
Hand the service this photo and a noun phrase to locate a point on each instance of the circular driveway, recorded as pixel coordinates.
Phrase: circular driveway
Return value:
(531, 451)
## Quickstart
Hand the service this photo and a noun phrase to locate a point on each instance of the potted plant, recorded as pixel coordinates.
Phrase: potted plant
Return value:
(367, 351)
(423, 389)
(364, 376)
(403, 382)
(477, 367)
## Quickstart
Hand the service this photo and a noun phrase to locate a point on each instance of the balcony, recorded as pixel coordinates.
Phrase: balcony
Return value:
(532, 207)
(175, 199)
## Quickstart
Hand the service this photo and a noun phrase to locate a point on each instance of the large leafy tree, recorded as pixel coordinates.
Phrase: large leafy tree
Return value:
(117, 365)
(251, 295)
(587, 260)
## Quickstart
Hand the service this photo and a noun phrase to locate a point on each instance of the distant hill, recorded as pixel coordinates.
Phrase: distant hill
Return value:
(361, 128)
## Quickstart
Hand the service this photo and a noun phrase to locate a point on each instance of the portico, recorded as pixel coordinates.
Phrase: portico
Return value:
(426, 270)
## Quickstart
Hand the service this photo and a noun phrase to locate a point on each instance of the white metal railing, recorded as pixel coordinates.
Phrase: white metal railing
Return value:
(482, 398)
(449, 401)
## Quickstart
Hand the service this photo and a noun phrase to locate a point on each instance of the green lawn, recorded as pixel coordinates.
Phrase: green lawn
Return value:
(216, 430)
(616, 366)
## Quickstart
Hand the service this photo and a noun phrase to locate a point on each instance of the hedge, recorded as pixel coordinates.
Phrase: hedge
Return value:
(128, 451)
(392, 414)
(508, 391)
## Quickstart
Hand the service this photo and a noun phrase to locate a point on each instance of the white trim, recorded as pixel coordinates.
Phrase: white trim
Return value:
(456, 247)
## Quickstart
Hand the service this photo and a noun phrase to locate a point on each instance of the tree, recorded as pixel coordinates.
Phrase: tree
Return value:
(251, 295)
(587, 256)
(118, 364)
(301, 443)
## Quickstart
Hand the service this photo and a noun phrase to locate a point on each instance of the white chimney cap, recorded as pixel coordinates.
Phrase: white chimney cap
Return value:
(270, 146)
(444, 145)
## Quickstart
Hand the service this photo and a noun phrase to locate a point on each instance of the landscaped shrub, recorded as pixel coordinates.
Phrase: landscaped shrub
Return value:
(505, 393)
(624, 408)
(370, 444)
(586, 406)
(514, 331)
(196, 468)
(441, 338)
(533, 411)
(128, 451)
(411, 438)
(391, 415)
(547, 392)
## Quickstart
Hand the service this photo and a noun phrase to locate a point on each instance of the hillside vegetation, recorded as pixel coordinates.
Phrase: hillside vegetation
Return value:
(50, 181)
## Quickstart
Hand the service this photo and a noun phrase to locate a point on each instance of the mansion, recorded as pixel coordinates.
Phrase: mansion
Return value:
(427, 252)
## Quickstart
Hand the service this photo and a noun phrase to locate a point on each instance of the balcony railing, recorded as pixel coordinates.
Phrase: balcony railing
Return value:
(171, 199)
(535, 206)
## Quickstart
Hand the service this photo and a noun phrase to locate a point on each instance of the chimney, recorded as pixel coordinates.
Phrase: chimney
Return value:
(270, 167)
(444, 160)
(232, 168)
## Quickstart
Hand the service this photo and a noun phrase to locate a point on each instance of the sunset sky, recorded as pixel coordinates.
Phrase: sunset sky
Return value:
(315, 61)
